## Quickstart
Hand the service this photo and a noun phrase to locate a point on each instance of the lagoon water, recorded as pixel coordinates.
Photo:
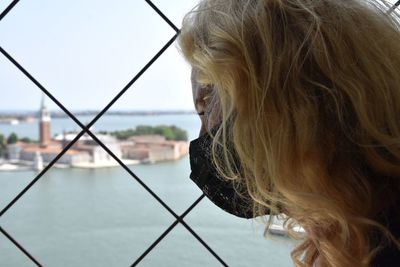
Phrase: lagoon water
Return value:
(104, 217)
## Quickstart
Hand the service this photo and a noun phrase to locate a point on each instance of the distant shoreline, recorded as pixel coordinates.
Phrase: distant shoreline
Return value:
(60, 114)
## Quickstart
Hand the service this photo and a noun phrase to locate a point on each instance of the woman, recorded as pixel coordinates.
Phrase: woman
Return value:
(300, 106)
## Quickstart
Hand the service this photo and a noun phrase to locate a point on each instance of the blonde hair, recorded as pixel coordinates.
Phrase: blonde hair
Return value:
(309, 92)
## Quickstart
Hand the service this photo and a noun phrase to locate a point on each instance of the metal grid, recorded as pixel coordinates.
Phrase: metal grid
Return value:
(85, 129)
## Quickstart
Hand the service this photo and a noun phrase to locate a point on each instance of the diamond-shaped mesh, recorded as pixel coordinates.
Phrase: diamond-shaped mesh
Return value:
(179, 219)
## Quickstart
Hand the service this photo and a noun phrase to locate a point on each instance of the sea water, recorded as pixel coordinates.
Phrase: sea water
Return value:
(106, 217)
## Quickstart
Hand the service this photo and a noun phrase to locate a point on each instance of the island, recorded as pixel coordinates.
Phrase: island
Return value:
(143, 144)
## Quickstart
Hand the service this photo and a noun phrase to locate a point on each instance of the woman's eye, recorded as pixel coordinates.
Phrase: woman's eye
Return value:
(203, 85)
(207, 101)
(206, 91)
(207, 98)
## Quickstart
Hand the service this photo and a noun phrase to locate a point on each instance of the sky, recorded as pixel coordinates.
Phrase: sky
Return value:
(85, 51)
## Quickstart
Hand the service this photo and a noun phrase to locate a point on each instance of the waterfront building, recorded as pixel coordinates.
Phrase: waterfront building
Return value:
(49, 152)
(84, 153)
(153, 148)
(14, 152)
(97, 155)
(38, 162)
(87, 153)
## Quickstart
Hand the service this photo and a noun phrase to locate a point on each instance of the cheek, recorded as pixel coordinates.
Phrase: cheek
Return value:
(194, 97)
(202, 129)
(199, 106)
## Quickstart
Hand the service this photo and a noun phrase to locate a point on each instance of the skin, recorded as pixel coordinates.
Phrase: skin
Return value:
(198, 100)
(208, 112)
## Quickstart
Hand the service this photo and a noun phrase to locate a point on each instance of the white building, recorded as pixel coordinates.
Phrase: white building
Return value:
(84, 153)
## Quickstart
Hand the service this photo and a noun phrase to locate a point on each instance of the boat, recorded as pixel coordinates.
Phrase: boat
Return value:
(278, 229)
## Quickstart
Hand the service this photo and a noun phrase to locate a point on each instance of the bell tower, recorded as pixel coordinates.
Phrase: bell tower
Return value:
(44, 124)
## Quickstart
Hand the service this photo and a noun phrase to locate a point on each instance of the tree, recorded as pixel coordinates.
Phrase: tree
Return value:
(12, 138)
(143, 130)
(180, 135)
(2, 140)
(169, 132)
(26, 140)
(2, 145)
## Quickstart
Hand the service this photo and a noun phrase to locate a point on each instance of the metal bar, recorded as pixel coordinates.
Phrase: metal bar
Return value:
(203, 243)
(41, 173)
(132, 174)
(155, 243)
(394, 7)
(161, 237)
(30, 77)
(19, 246)
(194, 204)
(167, 20)
(72, 116)
(178, 218)
(140, 73)
(86, 129)
(8, 9)
(41, 87)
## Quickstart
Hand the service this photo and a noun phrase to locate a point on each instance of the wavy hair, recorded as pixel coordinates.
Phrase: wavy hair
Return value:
(309, 92)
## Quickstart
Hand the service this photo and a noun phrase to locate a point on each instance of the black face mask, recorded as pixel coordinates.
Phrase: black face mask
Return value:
(220, 191)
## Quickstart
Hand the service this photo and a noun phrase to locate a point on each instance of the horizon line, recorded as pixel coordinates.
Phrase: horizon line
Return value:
(58, 111)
